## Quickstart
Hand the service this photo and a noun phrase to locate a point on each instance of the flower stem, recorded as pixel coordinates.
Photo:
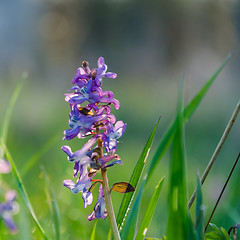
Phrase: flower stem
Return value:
(108, 200)
(107, 195)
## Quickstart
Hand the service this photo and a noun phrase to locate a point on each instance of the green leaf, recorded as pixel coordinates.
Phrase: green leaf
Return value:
(199, 211)
(136, 175)
(8, 113)
(149, 238)
(178, 218)
(122, 187)
(215, 228)
(53, 205)
(93, 231)
(188, 112)
(225, 234)
(23, 191)
(129, 230)
(212, 235)
(149, 212)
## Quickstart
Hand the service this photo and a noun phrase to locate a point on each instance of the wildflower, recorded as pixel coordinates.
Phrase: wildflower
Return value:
(81, 125)
(87, 197)
(92, 94)
(5, 167)
(91, 116)
(84, 74)
(7, 209)
(99, 210)
(112, 134)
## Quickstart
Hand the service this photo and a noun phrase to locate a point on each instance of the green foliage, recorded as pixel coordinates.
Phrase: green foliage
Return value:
(187, 113)
(52, 202)
(178, 223)
(129, 230)
(136, 175)
(10, 107)
(94, 231)
(218, 233)
(23, 192)
(199, 221)
(149, 212)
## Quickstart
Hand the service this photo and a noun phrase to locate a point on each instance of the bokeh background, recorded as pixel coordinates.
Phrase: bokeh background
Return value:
(151, 45)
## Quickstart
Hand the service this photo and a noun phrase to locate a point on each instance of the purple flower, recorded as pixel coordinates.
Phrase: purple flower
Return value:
(5, 167)
(92, 94)
(7, 209)
(101, 162)
(87, 197)
(81, 125)
(83, 182)
(84, 74)
(112, 134)
(102, 72)
(99, 210)
(82, 154)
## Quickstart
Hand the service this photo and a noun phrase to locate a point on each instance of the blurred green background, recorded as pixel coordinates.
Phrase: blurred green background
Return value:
(151, 45)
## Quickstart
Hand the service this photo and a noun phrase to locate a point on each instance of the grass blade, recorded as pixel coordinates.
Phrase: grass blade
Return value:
(23, 191)
(199, 212)
(188, 111)
(53, 205)
(8, 113)
(93, 231)
(127, 199)
(131, 223)
(149, 212)
(178, 220)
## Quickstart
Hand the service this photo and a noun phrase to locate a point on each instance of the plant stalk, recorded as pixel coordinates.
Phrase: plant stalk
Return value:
(217, 150)
(223, 189)
(108, 200)
(107, 195)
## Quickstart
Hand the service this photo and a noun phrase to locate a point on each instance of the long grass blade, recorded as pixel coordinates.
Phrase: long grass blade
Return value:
(199, 225)
(23, 191)
(178, 219)
(129, 230)
(149, 212)
(7, 116)
(135, 178)
(188, 112)
(53, 205)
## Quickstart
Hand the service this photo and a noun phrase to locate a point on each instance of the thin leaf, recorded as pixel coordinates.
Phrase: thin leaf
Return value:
(122, 187)
(212, 235)
(149, 238)
(199, 211)
(178, 219)
(129, 230)
(109, 235)
(93, 231)
(35, 158)
(215, 228)
(188, 112)
(149, 212)
(136, 175)
(53, 205)
(23, 191)
(225, 234)
(10, 107)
